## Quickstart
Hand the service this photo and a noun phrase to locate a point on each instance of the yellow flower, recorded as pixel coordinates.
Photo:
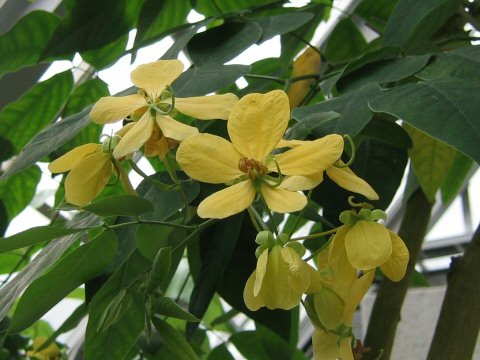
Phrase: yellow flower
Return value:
(255, 126)
(307, 63)
(279, 281)
(150, 108)
(51, 352)
(369, 244)
(90, 169)
(341, 175)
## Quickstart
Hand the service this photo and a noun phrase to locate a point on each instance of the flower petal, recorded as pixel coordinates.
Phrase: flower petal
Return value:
(155, 76)
(368, 245)
(252, 302)
(110, 109)
(396, 266)
(157, 145)
(209, 158)
(257, 122)
(207, 107)
(282, 200)
(357, 291)
(347, 179)
(299, 183)
(227, 202)
(310, 158)
(88, 178)
(325, 345)
(124, 130)
(329, 307)
(298, 274)
(68, 160)
(174, 129)
(260, 272)
(135, 137)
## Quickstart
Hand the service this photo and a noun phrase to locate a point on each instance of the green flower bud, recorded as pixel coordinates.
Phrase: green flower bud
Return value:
(110, 143)
(265, 238)
(348, 217)
(297, 247)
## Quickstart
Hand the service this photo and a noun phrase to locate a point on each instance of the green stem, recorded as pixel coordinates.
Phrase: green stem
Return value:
(270, 215)
(266, 77)
(194, 233)
(300, 216)
(152, 222)
(317, 235)
(253, 219)
(139, 171)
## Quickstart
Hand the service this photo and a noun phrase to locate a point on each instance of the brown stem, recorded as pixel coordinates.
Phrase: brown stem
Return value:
(459, 321)
(388, 303)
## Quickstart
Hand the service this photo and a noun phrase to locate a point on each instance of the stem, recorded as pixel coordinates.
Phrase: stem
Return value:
(318, 251)
(253, 219)
(199, 228)
(304, 77)
(122, 174)
(317, 235)
(270, 215)
(148, 178)
(458, 325)
(152, 222)
(265, 77)
(300, 216)
(388, 303)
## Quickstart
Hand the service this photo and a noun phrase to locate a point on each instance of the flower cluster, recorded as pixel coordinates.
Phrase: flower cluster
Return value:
(256, 163)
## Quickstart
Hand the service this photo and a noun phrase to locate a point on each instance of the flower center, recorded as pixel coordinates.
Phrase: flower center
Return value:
(252, 167)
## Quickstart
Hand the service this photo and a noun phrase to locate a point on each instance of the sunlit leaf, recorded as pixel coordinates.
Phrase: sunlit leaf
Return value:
(456, 177)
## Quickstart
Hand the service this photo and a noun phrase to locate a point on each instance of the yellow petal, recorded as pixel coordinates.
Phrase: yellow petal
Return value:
(315, 280)
(111, 109)
(282, 200)
(227, 202)
(290, 143)
(368, 245)
(307, 63)
(174, 129)
(325, 345)
(157, 145)
(346, 352)
(207, 107)
(357, 292)
(252, 302)
(298, 274)
(396, 266)
(312, 157)
(135, 137)
(124, 130)
(88, 178)
(329, 307)
(297, 183)
(260, 272)
(257, 122)
(68, 160)
(209, 158)
(347, 179)
(155, 76)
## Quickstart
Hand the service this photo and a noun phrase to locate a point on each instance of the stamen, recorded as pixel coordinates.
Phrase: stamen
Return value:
(339, 163)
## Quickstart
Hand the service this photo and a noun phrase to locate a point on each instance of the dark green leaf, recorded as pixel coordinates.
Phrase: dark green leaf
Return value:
(157, 17)
(160, 269)
(175, 341)
(25, 42)
(222, 43)
(266, 67)
(351, 39)
(207, 79)
(216, 248)
(71, 272)
(306, 124)
(376, 12)
(151, 238)
(33, 236)
(42, 261)
(444, 109)
(92, 25)
(412, 22)
(249, 345)
(210, 8)
(120, 205)
(167, 307)
(352, 107)
(18, 191)
(456, 177)
(281, 24)
(388, 131)
(220, 353)
(418, 280)
(51, 138)
(276, 347)
(37, 108)
(462, 63)
(107, 55)
(383, 72)
(117, 340)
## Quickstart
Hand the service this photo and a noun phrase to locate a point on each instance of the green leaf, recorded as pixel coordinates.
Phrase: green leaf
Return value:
(352, 107)
(158, 17)
(160, 269)
(42, 261)
(383, 72)
(456, 177)
(168, 307)
(92, 25)
(462, 63)
(352, 40)
(444, 109)
(33, 236)
(249, 345)
(223, 43)
(207, 79)
(431, 159)
(37, 108)
(282, 24)
(209, 8)
(117, 340)
(25, 42)
(117, 308)
(412, 22)
(376, 12)
(18, 191)
(387, 130)
(216, 248)
(72, 271)
(175, 341)
(120, 205)
(277, 347)
(44, 142)
(418, 280)
(306, 124)
(220, 353)
(107, 55)
(12, 260)
(150, 239)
